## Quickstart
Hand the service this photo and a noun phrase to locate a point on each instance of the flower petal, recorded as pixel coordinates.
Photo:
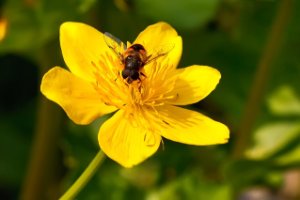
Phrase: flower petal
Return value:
(125, 142)
(81, 45)
(77, 97)
(190, 127)
(193, 84)
(161, 37)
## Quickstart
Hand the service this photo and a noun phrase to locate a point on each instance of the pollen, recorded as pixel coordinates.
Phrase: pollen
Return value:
(161, 83)
(109, 83)
(147, 93)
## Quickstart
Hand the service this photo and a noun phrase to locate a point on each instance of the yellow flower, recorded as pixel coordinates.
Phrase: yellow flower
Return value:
(147, 109)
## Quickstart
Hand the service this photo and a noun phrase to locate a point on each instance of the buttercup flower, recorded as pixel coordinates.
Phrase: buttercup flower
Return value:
(146, 109)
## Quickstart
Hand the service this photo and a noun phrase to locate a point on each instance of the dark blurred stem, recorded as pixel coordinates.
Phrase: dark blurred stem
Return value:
(261, 78)
(41, 181)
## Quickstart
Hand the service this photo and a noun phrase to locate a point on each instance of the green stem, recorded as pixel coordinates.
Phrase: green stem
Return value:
(261, 77)
(84, 177)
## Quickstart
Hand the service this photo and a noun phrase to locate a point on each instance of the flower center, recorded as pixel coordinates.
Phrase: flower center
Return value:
(152, 90)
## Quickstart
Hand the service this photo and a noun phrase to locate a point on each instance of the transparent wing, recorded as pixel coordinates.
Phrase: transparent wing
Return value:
(160, 51)
(112, 40)
(115, 44)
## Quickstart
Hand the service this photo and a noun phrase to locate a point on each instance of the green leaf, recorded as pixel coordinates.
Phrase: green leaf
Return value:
(192, 186)
(30, 26)
(289, 158)
(272, 138)
(284, 102)
(186, 14)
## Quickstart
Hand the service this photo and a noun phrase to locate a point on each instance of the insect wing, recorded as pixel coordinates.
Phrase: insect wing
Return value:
(160, 51)
(115, 44)
(112, 40)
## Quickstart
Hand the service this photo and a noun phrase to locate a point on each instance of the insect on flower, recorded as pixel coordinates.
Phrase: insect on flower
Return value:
(134, 58)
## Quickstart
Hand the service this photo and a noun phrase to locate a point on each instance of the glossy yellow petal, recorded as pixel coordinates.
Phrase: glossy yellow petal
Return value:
(125, 142)
(3, 28)
(81, 45)
(193, 84)
(190, 127)
(161, 38)
(77, 97)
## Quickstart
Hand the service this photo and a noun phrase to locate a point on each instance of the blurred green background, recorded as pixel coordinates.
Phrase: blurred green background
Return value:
(254, 43)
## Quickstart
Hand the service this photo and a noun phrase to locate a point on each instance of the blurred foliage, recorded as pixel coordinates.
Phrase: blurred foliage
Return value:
(190, 15)
(279, 139)
(227, 34)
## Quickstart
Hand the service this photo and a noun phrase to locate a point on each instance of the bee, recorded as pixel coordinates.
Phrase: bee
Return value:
(133, 58)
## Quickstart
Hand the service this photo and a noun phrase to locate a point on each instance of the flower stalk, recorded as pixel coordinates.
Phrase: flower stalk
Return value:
(85, 177)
